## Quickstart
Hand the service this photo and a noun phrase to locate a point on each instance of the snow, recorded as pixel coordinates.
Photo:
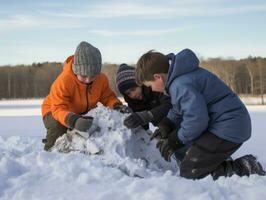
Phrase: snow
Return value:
(20, 107)
(28, 172)
(253, 100)
(130, 151)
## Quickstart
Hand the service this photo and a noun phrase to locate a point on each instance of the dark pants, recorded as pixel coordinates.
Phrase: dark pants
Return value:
(208, 155)
(54, 130)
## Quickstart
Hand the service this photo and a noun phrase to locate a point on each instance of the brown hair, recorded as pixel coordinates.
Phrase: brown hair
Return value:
(149, 64)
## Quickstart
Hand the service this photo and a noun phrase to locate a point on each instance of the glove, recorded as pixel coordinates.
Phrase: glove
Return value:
(122, 108)
(169, 146)
(165, 127)
(81, 123)
(138, 118)
(89, 132)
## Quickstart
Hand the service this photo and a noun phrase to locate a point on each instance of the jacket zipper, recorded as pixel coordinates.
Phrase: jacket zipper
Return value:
(87, 99)
(88, 91)
(87, 102)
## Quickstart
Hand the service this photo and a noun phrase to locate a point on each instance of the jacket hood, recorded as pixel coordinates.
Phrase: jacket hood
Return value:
(68, 64)
(67, 70)
(182, 63)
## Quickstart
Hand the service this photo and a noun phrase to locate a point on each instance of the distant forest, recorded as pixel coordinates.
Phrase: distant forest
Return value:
(245, 76)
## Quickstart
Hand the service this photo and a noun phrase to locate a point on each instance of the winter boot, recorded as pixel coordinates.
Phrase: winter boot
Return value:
(243, 166)
(224, 169)
(247, 165)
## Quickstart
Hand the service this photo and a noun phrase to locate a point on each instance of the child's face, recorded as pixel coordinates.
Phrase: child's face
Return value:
(134, 93)
(157, 84)
(86, 79)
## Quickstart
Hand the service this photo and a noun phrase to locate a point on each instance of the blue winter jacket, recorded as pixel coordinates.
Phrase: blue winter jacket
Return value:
(203, 102)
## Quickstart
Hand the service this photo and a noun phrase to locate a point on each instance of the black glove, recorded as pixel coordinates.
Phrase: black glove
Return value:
(138, 118)
(165, 128)
(169, 146)
(122, 108)
(81, 123)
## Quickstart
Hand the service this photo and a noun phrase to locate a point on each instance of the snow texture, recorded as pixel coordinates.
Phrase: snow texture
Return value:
(109, 165)
(128, 150)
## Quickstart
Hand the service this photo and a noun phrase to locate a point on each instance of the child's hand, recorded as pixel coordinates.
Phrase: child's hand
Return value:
(122, 108)
(138, 119)
(165, 127)
(165, 150)
(169, 146)
(83, 124)
(158, 134)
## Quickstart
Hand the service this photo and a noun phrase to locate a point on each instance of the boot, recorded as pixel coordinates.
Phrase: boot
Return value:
(224, 169)
(243, 166)
(247, 165)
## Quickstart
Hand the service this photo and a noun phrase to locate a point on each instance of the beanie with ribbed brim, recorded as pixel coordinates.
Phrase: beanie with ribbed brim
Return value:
(87, 60)
(125, 78)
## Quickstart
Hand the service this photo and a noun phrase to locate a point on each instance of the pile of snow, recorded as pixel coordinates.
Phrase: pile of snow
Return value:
(29, 172)
(116, 146)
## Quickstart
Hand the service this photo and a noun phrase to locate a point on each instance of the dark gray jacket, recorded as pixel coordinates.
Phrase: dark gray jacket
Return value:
(156, 102)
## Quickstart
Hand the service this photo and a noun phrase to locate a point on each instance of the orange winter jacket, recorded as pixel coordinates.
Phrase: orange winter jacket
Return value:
(68, 94)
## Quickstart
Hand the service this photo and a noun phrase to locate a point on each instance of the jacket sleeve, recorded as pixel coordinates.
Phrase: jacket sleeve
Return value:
(160, 111)
(61, 97)
(108, 97)
(130, 104)
(135, 105)
(191, 106)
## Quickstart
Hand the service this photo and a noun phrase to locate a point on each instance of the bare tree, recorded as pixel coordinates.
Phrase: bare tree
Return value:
(245, 76)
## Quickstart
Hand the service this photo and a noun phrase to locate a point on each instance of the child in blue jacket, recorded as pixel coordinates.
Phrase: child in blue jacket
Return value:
(208, 115)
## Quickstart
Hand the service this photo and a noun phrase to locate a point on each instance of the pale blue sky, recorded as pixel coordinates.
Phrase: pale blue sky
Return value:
(50, 30)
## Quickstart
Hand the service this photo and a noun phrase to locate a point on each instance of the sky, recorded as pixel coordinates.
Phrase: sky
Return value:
(50, 30)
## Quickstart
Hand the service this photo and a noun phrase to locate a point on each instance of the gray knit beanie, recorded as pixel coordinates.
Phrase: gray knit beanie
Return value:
(87, 60)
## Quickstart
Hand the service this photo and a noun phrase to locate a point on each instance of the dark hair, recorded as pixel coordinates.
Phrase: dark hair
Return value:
(149, 64)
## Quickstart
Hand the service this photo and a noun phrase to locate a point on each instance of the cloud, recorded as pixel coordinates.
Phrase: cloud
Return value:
(50, 16)
(150, 32)
(26, 21)
(17, 21)
(158, 10)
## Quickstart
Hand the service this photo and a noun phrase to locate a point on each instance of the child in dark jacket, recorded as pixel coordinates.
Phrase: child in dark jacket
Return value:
(208, 115)
(147, 106)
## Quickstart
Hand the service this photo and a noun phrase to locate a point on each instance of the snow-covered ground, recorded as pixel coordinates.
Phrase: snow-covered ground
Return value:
(28, 172)
(253, 100)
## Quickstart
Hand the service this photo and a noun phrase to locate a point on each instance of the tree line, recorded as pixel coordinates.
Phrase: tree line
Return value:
(244, 76)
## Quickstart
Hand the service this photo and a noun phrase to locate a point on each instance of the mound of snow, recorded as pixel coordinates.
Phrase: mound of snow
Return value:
(116, 146)
(29, 172)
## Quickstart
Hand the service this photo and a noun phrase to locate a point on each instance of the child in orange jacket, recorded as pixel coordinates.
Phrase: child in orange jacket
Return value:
(75, 91)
